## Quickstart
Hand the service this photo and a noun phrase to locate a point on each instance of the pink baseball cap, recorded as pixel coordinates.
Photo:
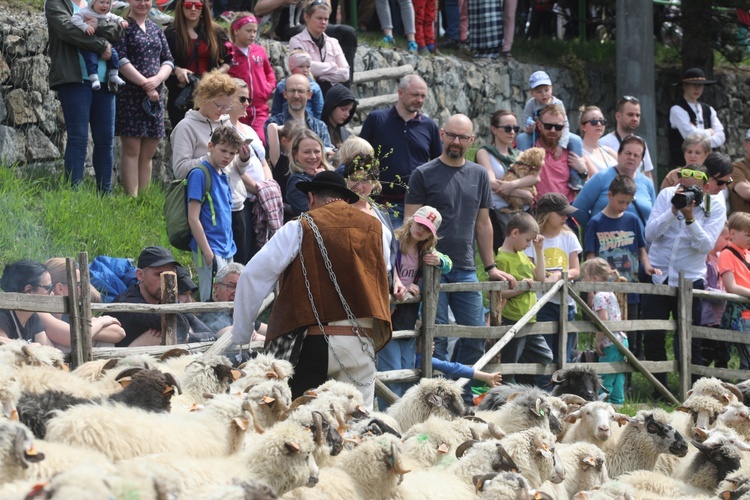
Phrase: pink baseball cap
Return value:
(429, 217)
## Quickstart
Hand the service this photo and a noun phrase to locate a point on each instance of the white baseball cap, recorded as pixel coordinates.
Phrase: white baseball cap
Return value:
(539, 78)
(430, 217)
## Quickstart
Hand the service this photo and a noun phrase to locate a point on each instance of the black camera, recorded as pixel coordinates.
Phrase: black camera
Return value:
(186, 94)
(687, 196)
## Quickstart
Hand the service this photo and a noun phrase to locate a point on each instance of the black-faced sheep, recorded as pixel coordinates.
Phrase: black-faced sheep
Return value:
(149, 390)
(432, 396)
(643, 439)
(579, 380)
(718, 455)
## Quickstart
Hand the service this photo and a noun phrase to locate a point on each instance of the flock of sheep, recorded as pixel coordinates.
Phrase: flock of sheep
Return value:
(191, 426)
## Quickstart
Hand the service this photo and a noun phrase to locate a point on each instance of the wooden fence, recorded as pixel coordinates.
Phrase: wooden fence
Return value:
(80, 309)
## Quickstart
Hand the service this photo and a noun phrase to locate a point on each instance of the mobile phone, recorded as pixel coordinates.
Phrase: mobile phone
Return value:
(248, 140)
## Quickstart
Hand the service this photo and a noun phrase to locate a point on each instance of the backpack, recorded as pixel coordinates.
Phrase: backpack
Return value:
(175, 210)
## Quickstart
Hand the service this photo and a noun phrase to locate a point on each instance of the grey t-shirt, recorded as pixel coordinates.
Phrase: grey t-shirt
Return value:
(457, 193)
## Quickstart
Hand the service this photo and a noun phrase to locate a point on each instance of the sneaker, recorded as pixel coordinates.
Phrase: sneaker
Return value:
(575, 186)
(450, 44)
(422, 49)
(507, 55)
(388, 40)
(112, 87)
(412, 46)
(159, 17)
(431, 48)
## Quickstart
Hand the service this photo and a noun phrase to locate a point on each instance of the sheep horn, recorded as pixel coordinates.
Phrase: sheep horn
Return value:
(495, 431)
(464, 447)
(279, 372)
(280, 408)
(396, 464)
(208, 395)
(472, 418)
(506, 456)
(176, 352)
(558, 377)
(340, 419)
(29, 352)
(474, 434)
(734, 390)
(249, 408)
(573, 399)
(318, 422)
(242, 366)
(110, 364)
(479, 480)
(301, 400)
(127, 373)
(171, 380)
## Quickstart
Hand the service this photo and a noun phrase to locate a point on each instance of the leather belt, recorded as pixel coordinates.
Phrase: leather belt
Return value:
(337, 330)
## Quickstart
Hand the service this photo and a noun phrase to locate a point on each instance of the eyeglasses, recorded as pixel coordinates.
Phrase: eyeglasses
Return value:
(452, 137)
(243, 99)
(550, 126)
(48, 288)
(230, 286)
(597, 121)
(297, 91)
(222, 107)
(720, 182)
(509, 128)
(192, 5)
(141, 1)
(78, 283)
(686, 172)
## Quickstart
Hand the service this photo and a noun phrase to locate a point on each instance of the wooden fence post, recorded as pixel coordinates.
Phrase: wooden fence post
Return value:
(430, 298)
(683, 334)
(562, 327)
(168, 296)
(85, 307)
(74, 314)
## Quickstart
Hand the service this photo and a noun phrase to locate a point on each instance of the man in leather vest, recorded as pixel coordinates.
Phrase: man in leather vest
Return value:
(333, 310)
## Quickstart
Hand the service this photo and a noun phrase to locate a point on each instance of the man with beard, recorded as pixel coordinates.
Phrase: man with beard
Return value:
(628, 118)
(555, 173)
(297, 92)
(460, 191)
(404, 139)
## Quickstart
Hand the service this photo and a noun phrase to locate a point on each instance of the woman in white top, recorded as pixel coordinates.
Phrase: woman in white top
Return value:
(497, 157)
(593, 125)
(244, 182)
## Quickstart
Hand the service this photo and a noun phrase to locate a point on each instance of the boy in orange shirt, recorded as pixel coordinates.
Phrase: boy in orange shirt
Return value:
(734, 269)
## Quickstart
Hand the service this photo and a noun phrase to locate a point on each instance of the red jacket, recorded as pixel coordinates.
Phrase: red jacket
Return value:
(256, 70)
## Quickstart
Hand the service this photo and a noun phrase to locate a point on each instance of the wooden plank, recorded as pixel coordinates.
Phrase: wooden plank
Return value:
(706, 332)
(405, 334)
(385, 393)
(405, 375)
(495, 349)
(76, 332)
(562, 344)
(430, 296)
(644, 288)
(222, 344)
(724, 373)
(546, 327)
(705, 294)
(34, 303)
(168, 296)
(496, 307)
(600, 368)
(378, 101)
(195, 347)
(389, 73)
(193, 307)
(684, 321)
(624, 350)
(85, 309)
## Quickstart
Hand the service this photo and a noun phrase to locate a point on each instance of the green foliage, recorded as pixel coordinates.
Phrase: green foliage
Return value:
(48, 218)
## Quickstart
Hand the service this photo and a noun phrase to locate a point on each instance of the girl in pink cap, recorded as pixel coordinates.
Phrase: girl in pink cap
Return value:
(250, 63)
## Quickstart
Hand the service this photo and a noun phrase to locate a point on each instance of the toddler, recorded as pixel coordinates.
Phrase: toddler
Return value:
(96, 11)
(299, 63)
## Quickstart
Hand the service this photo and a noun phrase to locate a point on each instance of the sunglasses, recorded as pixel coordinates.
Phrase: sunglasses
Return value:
(48, 288)
(192, 5)
(509, 128)
(550, 126)
(686, 172)
(597, 121)
(243, 99)
(720, 182)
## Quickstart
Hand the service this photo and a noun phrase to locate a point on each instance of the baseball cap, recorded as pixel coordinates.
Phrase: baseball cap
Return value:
(155, 257)
(554, 202)
(185, 283)
(539, 78)
(429, 217)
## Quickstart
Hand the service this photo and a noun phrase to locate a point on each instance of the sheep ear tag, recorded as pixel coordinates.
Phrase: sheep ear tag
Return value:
(236, 374)
(35, 491)
(435, 400)
(443, 448)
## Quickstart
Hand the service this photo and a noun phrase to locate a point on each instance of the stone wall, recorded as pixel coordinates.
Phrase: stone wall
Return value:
(32, 130)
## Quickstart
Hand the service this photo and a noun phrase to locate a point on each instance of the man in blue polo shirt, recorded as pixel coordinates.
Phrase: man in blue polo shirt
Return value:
(407, 137)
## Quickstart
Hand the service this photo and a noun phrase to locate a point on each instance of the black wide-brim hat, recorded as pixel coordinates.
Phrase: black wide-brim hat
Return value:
(695, 76)
(332, 181)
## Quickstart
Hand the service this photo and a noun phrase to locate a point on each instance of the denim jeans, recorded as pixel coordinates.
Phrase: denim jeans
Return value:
(83, 106)
(452, 18)
(398, 354)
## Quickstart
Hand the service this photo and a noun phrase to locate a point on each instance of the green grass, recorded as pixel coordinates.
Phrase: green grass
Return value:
(45, 217)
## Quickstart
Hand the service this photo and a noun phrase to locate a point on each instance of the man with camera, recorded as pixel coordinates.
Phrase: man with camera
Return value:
(683, 227)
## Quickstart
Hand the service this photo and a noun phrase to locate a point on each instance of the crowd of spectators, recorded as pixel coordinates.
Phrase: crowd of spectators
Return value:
(260, 161)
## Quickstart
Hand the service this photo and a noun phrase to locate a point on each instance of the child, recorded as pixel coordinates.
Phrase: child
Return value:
(616, 235)
(211, 223)
(561, 253)
(712, 310)
(424, 20)
(299, 64)
(734, 270)
(417, 239)
(540, 87)
(605, 305)
(250, 63)
(522, 229)
(99, 11)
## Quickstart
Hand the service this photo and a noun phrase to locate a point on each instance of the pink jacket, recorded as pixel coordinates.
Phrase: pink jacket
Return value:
(328, 64)
(256, 70)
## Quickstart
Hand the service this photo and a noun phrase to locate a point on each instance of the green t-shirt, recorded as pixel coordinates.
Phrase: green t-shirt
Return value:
(520, 267)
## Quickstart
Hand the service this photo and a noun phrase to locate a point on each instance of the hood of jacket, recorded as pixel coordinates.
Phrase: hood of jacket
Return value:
(338, 95)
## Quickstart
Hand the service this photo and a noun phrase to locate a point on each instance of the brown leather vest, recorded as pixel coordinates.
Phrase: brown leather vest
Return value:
(354, 243)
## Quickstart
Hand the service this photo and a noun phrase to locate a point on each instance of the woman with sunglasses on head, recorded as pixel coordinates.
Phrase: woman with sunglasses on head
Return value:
(695, 150)
(198, 46)
(592, 125)
(24, 276)
(497, 158)
(244, 184)
(594, 196)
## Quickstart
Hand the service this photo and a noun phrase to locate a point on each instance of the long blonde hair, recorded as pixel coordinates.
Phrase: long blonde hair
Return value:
(541, 220)
(600, 268)
(294, 165)
(406, 240)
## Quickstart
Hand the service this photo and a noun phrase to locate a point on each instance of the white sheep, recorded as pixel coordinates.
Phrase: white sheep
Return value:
(10, 391)
(584, 470)
(736, 416)
(701, 410)
(38, 379)
(643, 439)
(532, 408)
(328, 441)
(723, 392)
(432, 396)
(121, 432)
(648, 484)
(238, 490)
(262, 368)
(533, 450)
(271, 400)
(281, 458)
(21, 353)
(205, 375)
(501, 486)
(592, 423)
